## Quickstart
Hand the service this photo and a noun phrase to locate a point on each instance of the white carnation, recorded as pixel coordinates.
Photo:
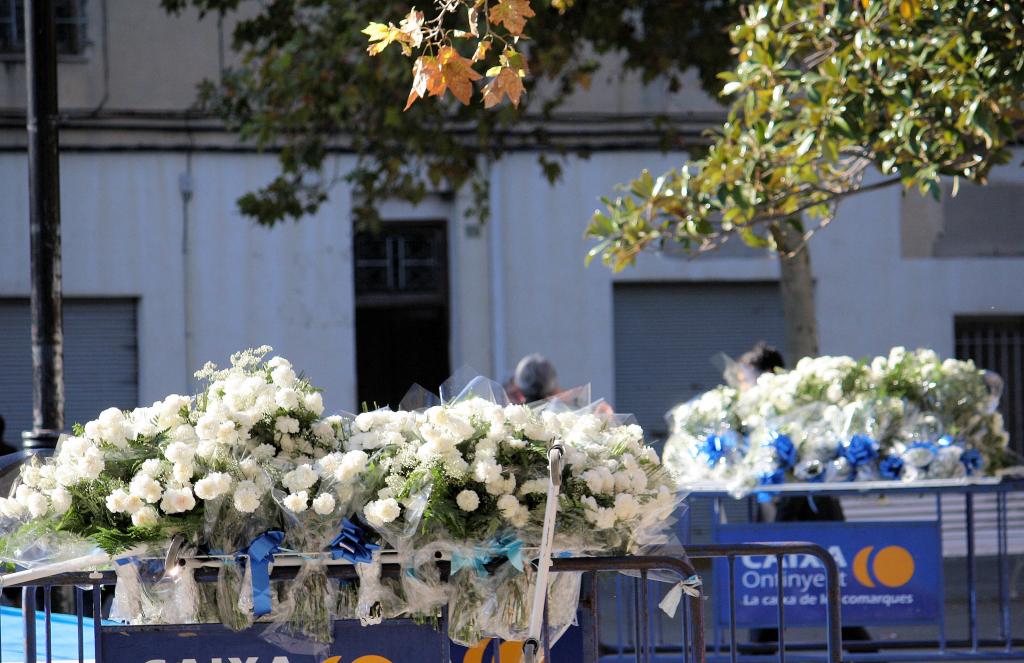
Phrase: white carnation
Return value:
(213, 485)
(178, 500)
(468, 500)
(287, 399)
(301, 478)
(352, 464)
(145, 517)
(117, 501)
(60, 501)
(314, 402)
(146, 487)
(324, 504)
(380, 512)
(179, 452)
(286, 425)
(247, 497)
(297, 502)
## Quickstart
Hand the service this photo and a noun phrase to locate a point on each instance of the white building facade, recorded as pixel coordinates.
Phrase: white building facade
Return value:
(161, 272)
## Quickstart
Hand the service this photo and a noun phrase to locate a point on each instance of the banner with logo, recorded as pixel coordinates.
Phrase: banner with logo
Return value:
(394, 641)
(889, 573)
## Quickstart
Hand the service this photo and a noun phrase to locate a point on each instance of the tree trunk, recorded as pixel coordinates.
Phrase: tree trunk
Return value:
(797, 294)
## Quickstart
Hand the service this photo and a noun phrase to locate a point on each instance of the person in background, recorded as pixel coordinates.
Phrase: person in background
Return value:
(763, 358)
(5, 447)
(535, 378)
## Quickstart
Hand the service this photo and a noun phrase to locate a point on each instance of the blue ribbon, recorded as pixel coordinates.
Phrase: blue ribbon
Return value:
(770, 479)
(713, 448)
(785, 450)
(890, 467)
(261, 554)
(507, 546)
(351, 544)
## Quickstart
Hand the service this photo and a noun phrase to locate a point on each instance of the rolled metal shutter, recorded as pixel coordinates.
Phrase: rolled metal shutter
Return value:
(100, 360)
(667, 336)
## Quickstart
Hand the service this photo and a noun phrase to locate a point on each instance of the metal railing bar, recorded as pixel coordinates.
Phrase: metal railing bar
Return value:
(619, 627)
(28, 611)
(732, 607)
(781, 606)
(97, 620)
(80, 613)
(972, 589)
(1004, 567)
(638, 643)
(645, 616)
(47, 611)
(942, 611)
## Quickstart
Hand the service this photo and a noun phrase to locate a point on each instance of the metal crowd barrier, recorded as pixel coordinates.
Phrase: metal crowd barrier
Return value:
(95, 640)
(975, 574)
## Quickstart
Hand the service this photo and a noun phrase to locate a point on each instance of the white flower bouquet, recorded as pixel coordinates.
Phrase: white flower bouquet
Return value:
(250, 471)
(906, 416)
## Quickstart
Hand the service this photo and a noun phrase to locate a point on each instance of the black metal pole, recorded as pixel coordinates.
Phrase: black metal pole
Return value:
(44, 223)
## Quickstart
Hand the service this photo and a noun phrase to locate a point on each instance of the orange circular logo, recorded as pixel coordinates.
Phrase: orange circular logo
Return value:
(892, 566)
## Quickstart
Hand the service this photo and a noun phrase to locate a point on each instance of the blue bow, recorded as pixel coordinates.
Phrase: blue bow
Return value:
(860, 450)
(890, 467)
(715, 447)
(512, 548)
(261, 554)
(972, 460)
(476, 560)
(785, 450)
(351, 544)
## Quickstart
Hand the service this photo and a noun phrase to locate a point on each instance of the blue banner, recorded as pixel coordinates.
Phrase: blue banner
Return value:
(394, 641)
(889, 573)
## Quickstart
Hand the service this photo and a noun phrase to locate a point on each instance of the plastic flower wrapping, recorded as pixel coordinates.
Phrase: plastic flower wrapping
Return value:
(250, 473)
(906, 417)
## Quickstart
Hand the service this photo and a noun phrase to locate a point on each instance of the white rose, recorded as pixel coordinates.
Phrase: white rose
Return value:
(145, 517)
(297, 502)
(247, 497)
(324, 504)
(383, 511)
(178, 500)
(468, 500)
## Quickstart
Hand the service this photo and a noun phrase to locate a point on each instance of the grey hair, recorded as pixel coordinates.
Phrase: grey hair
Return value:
(536, 377)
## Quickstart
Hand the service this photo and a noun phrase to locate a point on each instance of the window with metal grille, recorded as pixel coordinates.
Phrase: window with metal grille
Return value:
(996, 343)
(70, 20)
(406, 259)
